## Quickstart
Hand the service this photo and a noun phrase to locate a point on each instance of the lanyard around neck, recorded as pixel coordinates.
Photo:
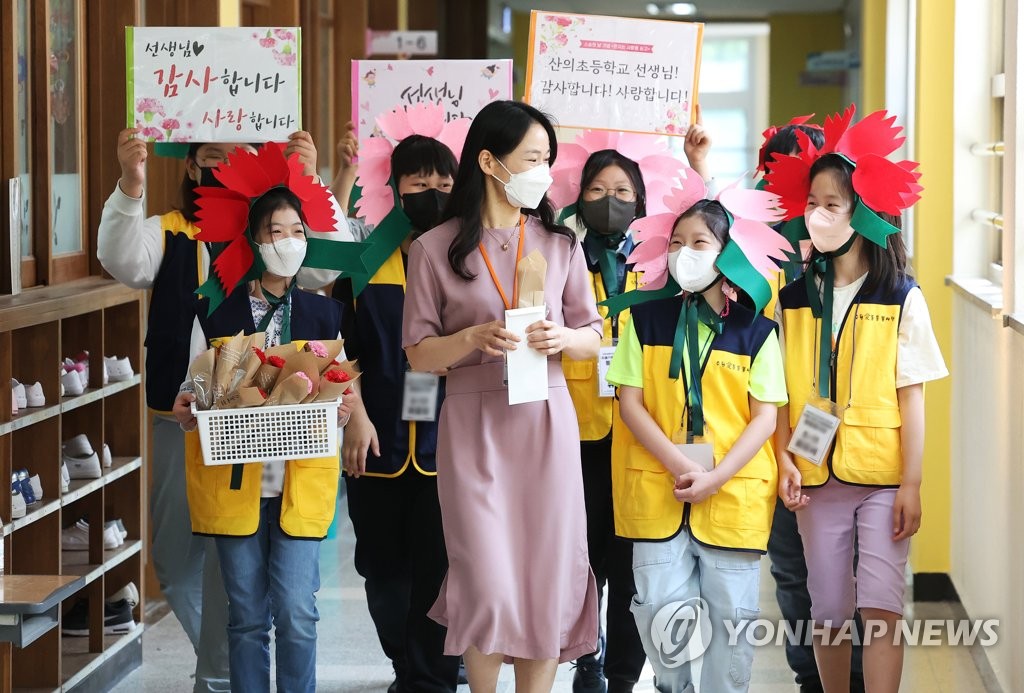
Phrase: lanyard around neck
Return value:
(695, 309)
(494, 275)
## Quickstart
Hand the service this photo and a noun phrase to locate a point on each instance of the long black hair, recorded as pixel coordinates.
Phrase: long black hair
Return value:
(887, 266)
(600, 160)
(499, 127)
(417, 154)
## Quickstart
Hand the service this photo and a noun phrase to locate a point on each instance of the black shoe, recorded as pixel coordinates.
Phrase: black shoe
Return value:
(589, 676)
(117, 619)
(463, 679)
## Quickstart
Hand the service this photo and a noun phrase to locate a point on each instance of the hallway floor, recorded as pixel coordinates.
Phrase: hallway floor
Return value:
(350, 659)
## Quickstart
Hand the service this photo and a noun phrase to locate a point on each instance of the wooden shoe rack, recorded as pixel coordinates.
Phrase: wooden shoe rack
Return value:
(38, 329)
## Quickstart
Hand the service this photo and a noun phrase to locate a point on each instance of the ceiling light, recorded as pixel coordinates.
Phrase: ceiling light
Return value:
(682, 8)
(653, 9)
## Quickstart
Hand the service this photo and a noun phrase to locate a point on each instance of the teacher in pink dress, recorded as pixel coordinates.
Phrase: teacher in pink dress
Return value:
(519, 586)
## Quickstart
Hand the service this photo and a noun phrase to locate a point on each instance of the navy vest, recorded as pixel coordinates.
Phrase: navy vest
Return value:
(313, 316)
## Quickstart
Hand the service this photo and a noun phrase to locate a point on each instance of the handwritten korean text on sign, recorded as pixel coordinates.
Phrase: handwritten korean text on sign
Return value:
(614, 73)
(214, 84)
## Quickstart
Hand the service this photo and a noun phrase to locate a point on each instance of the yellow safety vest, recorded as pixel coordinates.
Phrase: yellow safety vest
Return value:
(867, 450)
(739, 516)
(593, 412)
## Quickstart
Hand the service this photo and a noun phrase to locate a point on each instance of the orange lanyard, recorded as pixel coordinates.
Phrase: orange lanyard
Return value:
(494, 275)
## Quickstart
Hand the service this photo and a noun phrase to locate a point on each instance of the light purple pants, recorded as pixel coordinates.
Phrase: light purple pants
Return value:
(838, 516)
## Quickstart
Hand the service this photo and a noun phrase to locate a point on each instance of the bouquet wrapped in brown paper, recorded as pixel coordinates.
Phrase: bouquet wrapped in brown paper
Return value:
(201, 375)
(229, 356)
(243, 397)
(290, 390)
(325, 351)
(270, 367)
(530, 274)
(246, 369)
(336, 381)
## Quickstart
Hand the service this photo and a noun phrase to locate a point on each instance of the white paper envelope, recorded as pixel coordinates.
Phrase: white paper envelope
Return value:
(527, 368)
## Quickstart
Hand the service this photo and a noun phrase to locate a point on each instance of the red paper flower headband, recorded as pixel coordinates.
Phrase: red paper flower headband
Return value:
(223, 214)
(773, 130)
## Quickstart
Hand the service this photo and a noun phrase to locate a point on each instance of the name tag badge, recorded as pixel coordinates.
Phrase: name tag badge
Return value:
(604, 361)
(419, 396)
(701, 453)
(812, 438)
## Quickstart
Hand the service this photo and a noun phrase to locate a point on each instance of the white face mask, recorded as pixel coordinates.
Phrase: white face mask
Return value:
(284, 257)
(693, 270)
(828, 231)
(526, 189)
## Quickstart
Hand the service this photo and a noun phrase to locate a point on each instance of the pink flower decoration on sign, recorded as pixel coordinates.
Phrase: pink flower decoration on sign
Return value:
(661, 170)
(426, 119)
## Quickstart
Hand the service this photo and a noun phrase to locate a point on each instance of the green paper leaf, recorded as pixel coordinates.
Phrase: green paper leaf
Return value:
(871, 226)
(743, 275)
(617, 304)
(566, 212)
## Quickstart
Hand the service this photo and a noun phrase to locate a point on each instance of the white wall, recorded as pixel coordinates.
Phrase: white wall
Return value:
(987, 549)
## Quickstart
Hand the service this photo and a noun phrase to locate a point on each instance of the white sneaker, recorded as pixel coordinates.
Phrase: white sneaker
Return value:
(75, 538)
(118, 369)
(129, 593)
(14, 402)
(18, 507)
(72, 383)
(111, 537)
(81, 460)
(34, 395)
(108, 460)
(20, 399)
(37, 486)
(119, 528)
(65, 478)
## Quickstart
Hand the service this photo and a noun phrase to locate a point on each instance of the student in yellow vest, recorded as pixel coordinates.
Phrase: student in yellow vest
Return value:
(700, 378)
(596, 181)
(859, 346)
(161, 253)
(266, 517)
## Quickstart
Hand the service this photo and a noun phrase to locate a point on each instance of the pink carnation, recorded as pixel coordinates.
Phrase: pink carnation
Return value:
(170, 124)
(309, 383)
(562, 39)
(149, 106)
(563, 21)
(317, 348)
(284, 58)
(268, 42)
(543, 48)
(152, 134)
(284, 34)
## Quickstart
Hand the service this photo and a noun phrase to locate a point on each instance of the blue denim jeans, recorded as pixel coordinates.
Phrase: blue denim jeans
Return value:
(788, 567)
(271, 577)
(680, 571)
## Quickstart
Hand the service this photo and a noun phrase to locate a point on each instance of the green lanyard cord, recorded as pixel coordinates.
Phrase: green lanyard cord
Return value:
(821, 308)
(695, 310)
(285, 303)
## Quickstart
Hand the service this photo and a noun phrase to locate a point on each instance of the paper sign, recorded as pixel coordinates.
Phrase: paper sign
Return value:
(527, 368)
(614, 73)
(214, 84)
(463, 87)
(401, 42)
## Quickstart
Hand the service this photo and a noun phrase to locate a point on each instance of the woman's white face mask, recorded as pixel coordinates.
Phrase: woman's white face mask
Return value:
(283, 257)
(828, 231)
(526, 189)
(693, 270)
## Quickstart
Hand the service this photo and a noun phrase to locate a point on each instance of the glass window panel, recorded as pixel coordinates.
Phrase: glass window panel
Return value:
(65, 53)
(724, 65)
(22, 165)
(325, 99)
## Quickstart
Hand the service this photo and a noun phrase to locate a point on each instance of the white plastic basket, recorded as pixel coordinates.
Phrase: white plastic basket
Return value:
(251, 434)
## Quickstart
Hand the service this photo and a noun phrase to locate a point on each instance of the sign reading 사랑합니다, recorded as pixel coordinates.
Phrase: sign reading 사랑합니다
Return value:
(614, 73)
(214, 84)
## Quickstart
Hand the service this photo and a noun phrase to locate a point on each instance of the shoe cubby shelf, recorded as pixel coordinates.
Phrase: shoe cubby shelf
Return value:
(76, 489)
(39, 328)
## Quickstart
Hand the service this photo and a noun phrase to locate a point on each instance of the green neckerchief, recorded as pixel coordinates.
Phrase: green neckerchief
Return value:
(283, 301)
(821, 308)
(695, 310)
(606, 250)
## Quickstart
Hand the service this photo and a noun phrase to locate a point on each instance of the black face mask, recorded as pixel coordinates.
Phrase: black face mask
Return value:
(608, 216)
(206, 177)
(424, 208)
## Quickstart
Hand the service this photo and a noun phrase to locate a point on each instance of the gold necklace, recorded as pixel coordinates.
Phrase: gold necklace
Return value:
(508, 241)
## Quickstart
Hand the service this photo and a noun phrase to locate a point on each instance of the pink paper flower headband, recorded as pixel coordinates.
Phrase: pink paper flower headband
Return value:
(661, 170)
(426, 119)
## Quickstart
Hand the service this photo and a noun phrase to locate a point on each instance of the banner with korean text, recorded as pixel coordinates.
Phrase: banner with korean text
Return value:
(614, 73)
(214, 84)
